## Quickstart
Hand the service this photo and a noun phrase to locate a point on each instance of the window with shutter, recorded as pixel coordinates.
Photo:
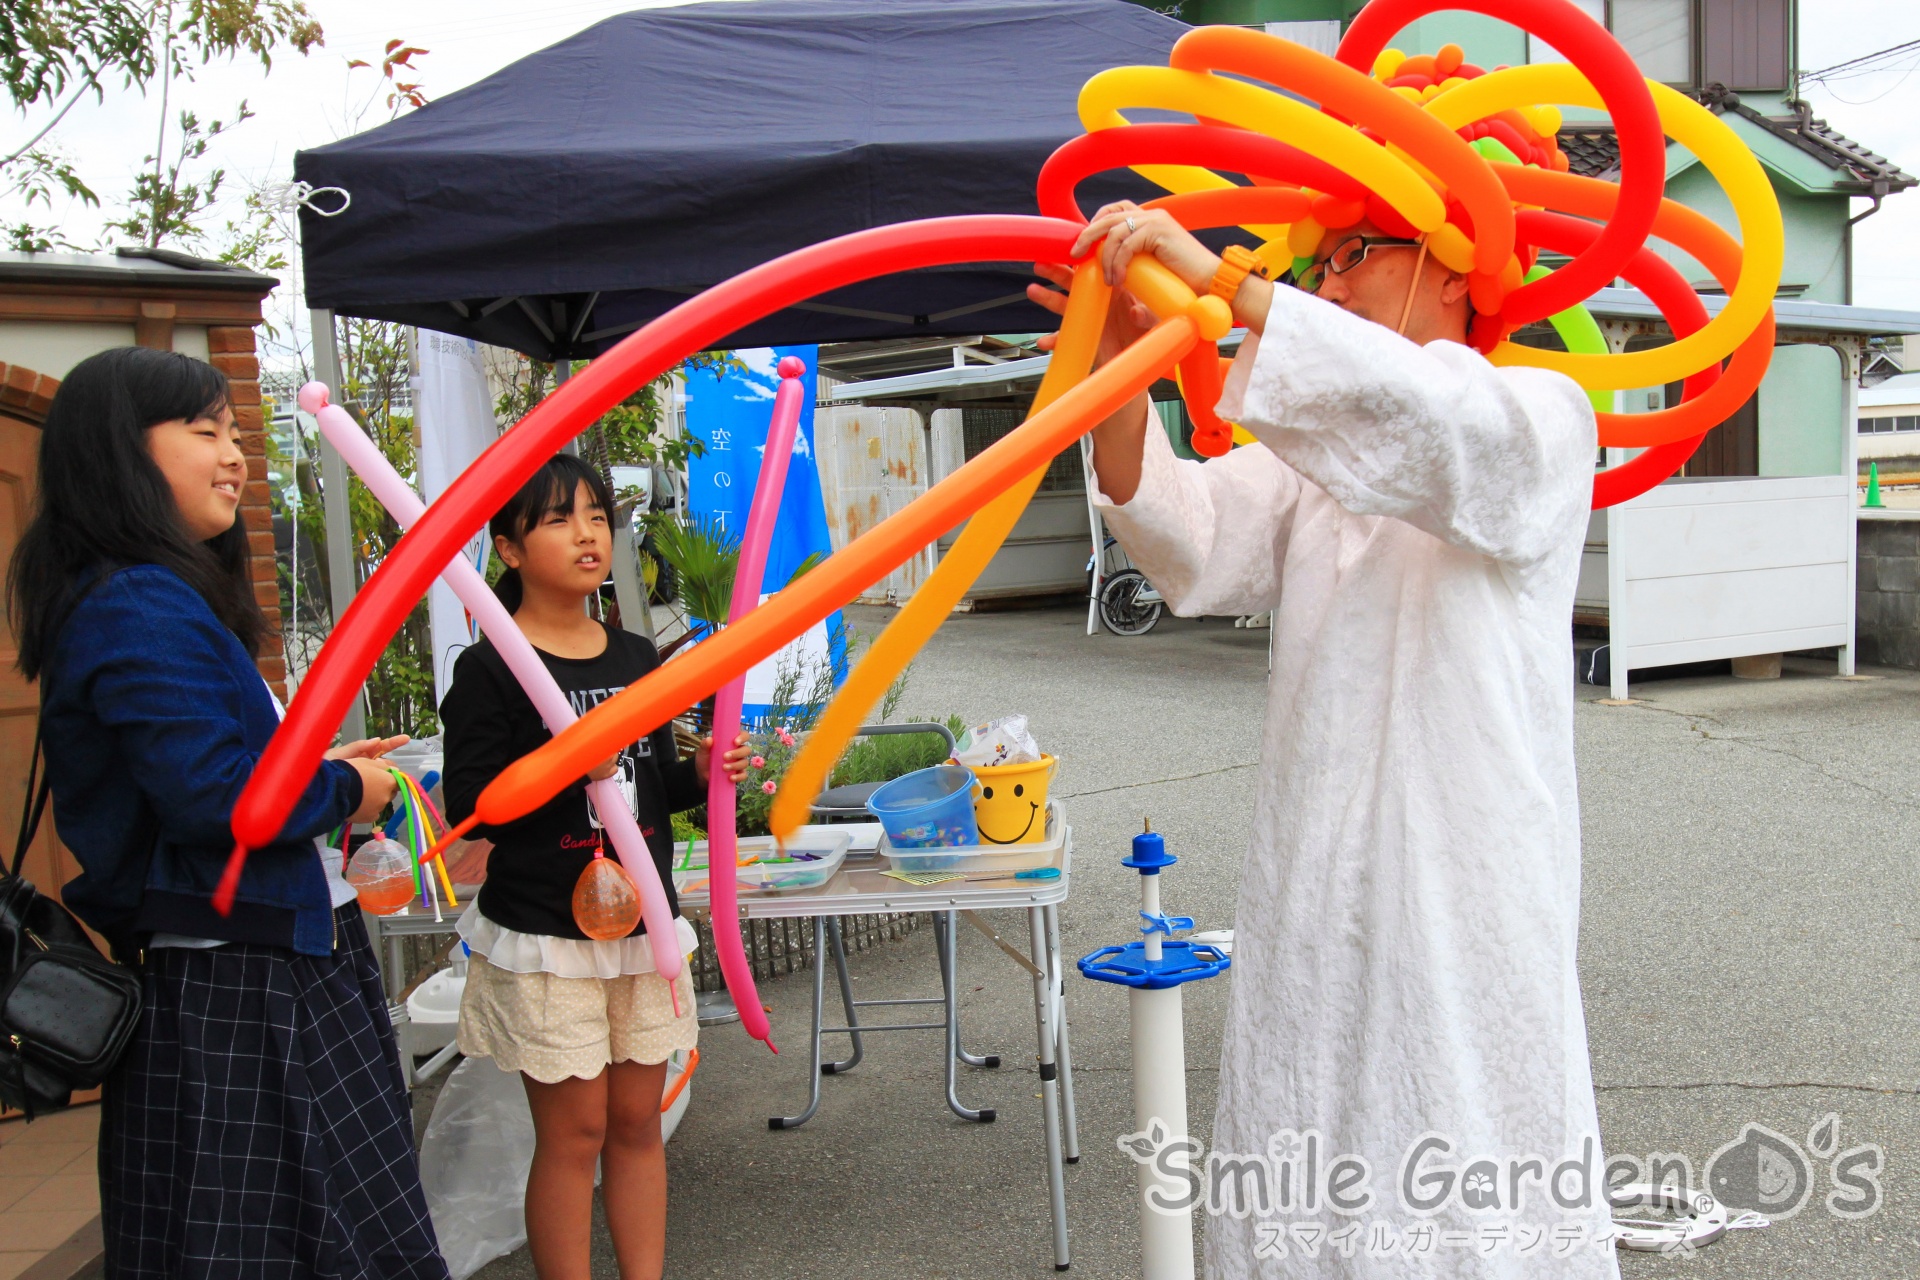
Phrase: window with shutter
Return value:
(1746, 44)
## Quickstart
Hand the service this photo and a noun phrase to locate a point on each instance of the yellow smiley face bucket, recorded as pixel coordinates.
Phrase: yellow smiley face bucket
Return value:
(1010, 801)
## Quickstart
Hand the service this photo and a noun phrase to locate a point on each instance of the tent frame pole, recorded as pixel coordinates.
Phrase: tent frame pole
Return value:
(342, 577)
(629, 585)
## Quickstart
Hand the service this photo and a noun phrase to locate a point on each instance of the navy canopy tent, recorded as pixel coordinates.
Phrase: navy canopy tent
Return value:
(569, 198)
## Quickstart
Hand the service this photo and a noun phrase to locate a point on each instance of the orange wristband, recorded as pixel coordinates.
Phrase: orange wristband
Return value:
(1236, 264)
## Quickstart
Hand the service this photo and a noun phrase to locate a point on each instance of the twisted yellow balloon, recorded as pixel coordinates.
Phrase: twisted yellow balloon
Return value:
(978, 543)
(1762, 234)
(1391, 172)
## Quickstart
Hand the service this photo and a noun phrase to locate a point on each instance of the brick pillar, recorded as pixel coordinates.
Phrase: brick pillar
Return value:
(232, 352)
(25, 393)
(154, 326)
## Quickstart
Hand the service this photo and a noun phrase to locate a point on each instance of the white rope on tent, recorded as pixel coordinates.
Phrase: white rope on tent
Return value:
(301, 195)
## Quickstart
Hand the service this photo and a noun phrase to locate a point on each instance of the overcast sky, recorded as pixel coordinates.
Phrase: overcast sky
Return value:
(311, 100)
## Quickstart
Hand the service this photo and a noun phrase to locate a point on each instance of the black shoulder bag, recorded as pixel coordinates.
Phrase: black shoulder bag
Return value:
(66, 1011)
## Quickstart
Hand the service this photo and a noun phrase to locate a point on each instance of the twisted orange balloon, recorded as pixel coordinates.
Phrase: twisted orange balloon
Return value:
(1425, 145)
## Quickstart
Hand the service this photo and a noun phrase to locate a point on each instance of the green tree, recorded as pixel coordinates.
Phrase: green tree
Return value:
(48, 47)
(168, 203)
(375, 363)
(375, 367)
(53, 53)
(631, 433)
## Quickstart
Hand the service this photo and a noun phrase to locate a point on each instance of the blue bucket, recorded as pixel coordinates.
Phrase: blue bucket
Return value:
(928, 809)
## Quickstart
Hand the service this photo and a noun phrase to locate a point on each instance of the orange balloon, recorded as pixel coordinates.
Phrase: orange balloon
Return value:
(1200, 385)
(1234, 206)
(606, 901)
(1348, 93)
(381, 872)
(650, 702)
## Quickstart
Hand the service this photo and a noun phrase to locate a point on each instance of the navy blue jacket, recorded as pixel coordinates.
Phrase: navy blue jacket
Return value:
(153, 717)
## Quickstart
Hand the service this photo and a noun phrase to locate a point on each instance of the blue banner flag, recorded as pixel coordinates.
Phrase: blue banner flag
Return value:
(728, 409)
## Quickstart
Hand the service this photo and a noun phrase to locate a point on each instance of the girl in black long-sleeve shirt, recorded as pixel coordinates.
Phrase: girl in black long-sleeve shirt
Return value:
(588, 1024)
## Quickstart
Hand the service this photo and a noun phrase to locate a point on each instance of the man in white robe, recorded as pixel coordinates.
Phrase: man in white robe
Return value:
(1409, 908)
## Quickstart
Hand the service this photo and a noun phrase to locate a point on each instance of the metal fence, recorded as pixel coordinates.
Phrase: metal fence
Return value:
(776, 948)
(983, 426)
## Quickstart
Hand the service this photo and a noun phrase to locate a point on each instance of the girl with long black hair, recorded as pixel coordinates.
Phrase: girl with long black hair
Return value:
(258, 1124)
(588, 1024)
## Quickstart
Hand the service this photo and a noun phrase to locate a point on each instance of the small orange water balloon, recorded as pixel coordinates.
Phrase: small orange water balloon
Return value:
(606, 902)
(381, 871)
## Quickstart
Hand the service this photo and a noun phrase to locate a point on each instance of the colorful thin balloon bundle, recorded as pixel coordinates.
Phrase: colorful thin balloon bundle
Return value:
(1418, 145)
(387, 872)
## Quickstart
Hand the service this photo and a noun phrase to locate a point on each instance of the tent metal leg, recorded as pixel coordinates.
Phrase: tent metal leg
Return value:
(341, 574)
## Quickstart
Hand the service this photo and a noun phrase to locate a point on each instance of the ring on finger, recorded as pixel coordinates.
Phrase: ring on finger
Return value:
(1131, 226)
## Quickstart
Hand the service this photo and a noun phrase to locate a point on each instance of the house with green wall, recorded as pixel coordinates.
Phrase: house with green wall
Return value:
(1751, 551)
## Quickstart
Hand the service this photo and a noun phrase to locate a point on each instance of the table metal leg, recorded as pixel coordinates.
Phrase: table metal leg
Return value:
(945, 923)
(948, 944)
(1063, 1055)
(396, 963)
(813, 1062)
(1049, 1082)
(846, 999)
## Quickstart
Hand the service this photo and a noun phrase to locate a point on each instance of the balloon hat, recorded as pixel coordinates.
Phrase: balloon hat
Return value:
(1424, 146)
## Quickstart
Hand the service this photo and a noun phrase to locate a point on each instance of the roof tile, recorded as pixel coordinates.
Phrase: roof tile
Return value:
(1593, 151)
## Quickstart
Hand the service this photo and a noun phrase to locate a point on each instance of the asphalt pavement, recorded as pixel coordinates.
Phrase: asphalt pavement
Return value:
(1750, 940)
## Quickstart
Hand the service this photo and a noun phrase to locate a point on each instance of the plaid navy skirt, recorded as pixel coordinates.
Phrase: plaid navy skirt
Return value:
(258, 1126)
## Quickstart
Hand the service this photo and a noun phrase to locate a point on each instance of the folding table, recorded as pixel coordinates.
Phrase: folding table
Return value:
(859, 889)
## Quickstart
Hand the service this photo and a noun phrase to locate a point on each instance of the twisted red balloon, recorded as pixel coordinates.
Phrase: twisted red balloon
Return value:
(1602, 253)
(1643, 147)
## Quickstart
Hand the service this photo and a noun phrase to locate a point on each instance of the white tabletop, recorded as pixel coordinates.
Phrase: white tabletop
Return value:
(857, 888)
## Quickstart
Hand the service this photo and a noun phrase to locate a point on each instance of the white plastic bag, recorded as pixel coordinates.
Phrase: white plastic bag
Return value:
(473, 1165)
(1002, 741)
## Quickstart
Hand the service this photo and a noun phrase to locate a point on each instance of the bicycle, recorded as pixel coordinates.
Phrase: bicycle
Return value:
(1129, 605)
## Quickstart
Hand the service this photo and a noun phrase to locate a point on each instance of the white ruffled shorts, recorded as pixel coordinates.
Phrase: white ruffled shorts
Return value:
(551, 1025)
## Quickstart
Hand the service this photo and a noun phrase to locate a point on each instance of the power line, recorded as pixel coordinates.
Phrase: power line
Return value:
(1861, 65)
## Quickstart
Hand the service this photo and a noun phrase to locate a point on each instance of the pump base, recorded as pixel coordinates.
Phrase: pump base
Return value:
(1180, 962)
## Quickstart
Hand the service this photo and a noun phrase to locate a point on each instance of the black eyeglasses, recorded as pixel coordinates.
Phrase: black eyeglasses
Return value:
(1346, 255)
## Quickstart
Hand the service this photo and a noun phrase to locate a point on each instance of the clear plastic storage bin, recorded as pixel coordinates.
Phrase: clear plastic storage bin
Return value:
(984, 857)
(812, 856)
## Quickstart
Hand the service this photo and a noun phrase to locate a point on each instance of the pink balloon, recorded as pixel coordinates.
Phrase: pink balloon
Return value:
(338, 426)
(722, 846)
